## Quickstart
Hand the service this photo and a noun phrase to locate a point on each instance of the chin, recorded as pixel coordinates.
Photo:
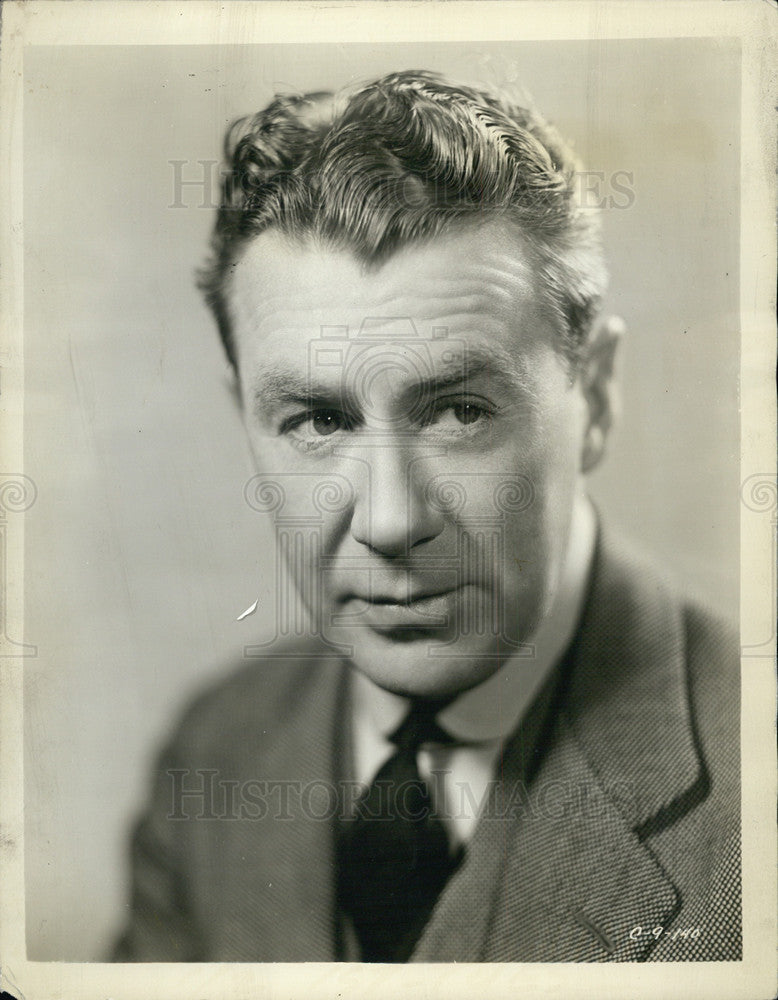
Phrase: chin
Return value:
(420, 668)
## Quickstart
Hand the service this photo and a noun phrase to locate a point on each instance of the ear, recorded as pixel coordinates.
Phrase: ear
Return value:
(599, 389)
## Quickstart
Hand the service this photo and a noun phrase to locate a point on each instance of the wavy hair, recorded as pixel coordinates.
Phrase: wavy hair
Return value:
(396, 162)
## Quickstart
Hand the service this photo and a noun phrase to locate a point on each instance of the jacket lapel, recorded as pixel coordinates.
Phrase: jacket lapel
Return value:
(558, 869)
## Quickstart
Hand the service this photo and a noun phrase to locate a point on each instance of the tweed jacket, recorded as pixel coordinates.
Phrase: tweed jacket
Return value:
(623, 846)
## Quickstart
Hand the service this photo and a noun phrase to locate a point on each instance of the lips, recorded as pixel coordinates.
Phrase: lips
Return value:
(387, 613)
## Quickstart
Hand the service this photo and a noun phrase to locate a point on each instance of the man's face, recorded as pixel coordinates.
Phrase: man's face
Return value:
(423, 437)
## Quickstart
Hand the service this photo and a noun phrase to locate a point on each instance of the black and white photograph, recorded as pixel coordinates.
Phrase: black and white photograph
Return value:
(388, 502)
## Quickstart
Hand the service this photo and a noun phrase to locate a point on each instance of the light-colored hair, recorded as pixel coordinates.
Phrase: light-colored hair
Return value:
(396, 162)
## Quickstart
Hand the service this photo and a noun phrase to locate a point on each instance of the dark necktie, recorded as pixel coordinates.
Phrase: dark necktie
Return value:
(393, 856)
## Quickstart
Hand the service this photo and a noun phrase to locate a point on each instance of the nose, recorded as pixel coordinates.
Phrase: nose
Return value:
(392, 514)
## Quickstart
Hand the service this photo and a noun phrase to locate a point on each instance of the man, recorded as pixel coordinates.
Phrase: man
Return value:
(503, 738)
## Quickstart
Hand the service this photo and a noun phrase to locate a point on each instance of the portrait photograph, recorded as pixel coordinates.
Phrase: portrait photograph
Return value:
(388, 502)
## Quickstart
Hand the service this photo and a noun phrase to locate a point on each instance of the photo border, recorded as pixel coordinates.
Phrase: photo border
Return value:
(137, 22)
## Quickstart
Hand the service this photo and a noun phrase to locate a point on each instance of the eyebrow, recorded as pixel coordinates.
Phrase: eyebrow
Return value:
(495, 363)
(280, 386)
(277, 386)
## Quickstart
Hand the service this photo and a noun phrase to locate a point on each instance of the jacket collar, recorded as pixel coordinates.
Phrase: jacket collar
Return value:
(628, 702)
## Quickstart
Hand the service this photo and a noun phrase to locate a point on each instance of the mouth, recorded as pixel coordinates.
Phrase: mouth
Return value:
(387, 613)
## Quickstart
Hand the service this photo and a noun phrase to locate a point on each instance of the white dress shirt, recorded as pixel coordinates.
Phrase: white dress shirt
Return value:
(480, 720)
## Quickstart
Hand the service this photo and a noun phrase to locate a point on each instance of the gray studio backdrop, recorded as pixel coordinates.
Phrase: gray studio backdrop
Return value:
(140, 550)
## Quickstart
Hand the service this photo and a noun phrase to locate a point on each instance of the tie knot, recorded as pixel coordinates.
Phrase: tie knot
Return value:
(419, 726)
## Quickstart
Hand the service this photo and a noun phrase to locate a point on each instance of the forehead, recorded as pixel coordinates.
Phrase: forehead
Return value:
(476, 286)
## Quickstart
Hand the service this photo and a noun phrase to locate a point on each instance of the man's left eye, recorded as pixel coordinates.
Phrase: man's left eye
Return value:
(326, 422)
(461, 412)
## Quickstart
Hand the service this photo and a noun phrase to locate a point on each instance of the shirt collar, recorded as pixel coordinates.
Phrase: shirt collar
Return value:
(494, 708)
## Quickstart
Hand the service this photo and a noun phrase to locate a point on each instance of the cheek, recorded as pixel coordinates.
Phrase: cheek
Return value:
(554, 455)
(263, 447)
(548, 467)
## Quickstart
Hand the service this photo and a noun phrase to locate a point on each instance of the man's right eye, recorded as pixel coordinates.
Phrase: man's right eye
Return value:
(313, 424)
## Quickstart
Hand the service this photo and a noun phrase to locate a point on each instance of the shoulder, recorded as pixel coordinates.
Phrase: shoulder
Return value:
(659, 645)
(683, 660)
(260, 694)
(713, 664)
(633, 581)
(641, 581)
